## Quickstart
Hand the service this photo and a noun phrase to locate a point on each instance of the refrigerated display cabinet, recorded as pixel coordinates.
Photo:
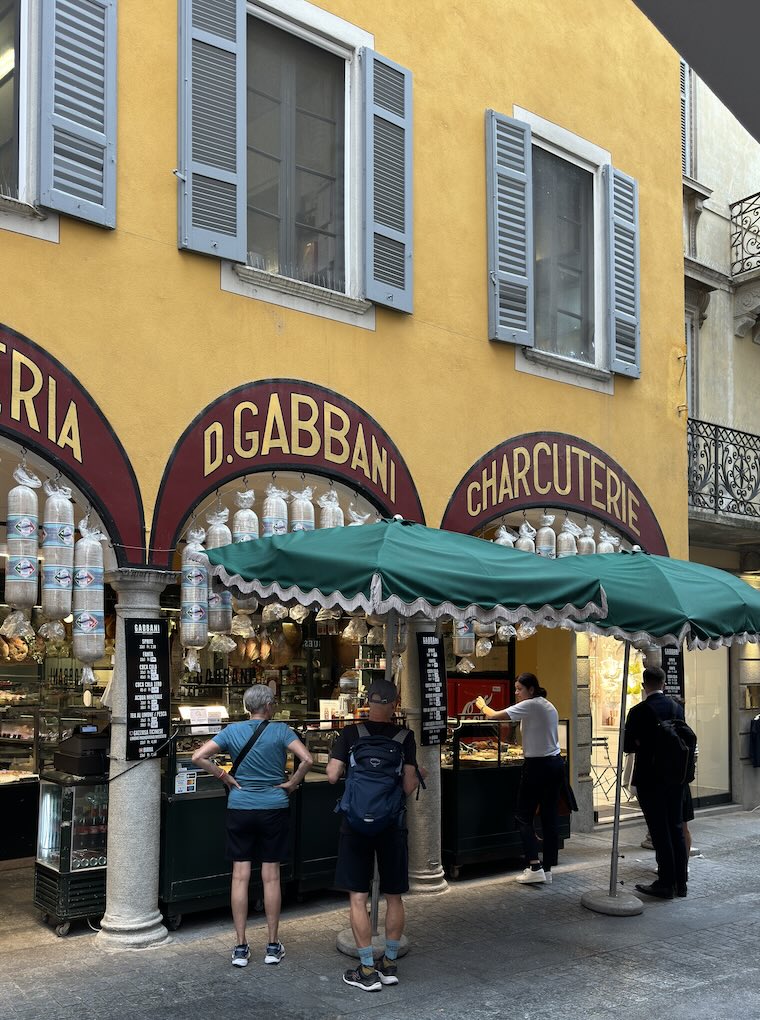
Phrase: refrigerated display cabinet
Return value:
(72, 840)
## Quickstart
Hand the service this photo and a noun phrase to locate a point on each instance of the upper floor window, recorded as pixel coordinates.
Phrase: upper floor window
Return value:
(295, 150)
(9, 64)
(58, 108)
(563, 219)
(295, 143)
(563, 248)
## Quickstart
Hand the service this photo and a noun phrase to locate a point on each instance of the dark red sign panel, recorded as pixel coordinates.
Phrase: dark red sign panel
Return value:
(280, 424)
(554, 470)
(44, 408)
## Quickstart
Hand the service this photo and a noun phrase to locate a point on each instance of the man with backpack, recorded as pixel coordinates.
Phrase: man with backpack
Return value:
(379, 760)
(657, 733)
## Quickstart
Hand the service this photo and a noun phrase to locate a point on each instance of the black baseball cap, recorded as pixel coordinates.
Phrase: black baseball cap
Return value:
(382, 692)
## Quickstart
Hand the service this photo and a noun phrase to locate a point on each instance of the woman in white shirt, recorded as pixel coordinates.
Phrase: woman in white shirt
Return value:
(543, 774)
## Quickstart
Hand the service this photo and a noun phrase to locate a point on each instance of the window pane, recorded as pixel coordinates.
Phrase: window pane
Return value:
(296, 94)
(564, 270)
(9, 58)
(264, 242)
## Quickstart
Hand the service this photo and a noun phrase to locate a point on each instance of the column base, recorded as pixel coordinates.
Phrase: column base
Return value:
(428, 882)
(116, 935)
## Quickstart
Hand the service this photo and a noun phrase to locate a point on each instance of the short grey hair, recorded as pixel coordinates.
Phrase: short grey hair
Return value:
(257, 697)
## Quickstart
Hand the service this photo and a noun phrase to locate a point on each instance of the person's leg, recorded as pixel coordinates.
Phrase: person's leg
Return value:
(686, 837)
(270, 878)
(676, 838)
(654, 804)
(241, 876)
(549, 811)
(360, 923)
(394, 917)
(528, 796)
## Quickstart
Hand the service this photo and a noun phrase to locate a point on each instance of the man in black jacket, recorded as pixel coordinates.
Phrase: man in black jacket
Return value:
(660, 797)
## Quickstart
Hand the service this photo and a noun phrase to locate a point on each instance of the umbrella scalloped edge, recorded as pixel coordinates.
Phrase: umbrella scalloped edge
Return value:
(642, 638)
(570, 616)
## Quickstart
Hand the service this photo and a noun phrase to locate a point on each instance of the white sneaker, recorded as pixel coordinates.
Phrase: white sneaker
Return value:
(694, 852)
(531, 877)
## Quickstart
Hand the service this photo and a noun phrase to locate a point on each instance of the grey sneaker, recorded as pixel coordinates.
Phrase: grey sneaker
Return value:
(241, 955)
(367, 982)
(275, 952)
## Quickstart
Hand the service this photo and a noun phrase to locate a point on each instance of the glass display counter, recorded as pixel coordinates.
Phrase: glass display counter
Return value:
(70, 866)
(480, 776)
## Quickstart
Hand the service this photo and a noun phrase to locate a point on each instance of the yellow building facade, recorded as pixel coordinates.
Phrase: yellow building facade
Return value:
(497, 374)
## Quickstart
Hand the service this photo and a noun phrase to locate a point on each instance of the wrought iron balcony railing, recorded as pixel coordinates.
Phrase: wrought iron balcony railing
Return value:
(724, 469)
(745, 235)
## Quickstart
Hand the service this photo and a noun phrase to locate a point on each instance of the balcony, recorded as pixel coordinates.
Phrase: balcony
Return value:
(724, 486)
(745, 235)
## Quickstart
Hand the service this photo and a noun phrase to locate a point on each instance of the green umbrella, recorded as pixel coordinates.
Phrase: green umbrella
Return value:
(663, 601)
(406, 567)
(656, 600)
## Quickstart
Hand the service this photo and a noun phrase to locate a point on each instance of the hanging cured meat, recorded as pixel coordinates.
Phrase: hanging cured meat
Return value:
(219, 597)
(546, 539)
(330, 513)
(88, 628)
(275, 515)
(245, 523)
(302, 510)
(193, 620)
(22, 574)
(58, 552)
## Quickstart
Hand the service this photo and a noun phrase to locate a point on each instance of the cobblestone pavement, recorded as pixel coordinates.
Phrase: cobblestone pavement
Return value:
(487, 948)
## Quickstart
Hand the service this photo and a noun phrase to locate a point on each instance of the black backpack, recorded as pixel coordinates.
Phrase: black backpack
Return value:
(674, 751)
(374, 796)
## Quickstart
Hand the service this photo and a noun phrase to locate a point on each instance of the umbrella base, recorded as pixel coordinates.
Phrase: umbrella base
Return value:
(621, 905)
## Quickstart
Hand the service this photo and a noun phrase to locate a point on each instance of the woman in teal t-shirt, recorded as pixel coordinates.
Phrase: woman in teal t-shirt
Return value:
(258, 816)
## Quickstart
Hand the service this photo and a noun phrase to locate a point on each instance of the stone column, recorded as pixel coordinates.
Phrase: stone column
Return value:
(132, 919)
(424, 815)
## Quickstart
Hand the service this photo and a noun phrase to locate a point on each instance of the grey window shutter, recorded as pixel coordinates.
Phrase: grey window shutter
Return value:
(212, 126)
(623, 271)
(686, 161)
(387, 182)
(78, 109)
(509, 176)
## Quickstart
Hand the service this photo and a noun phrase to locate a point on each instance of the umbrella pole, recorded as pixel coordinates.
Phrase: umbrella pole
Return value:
(611, 901)
(619, 776)
(390, 641)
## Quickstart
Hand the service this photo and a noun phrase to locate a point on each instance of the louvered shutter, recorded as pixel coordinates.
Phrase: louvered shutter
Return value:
(623, 271)
(78, 109)
(509, 174)
(387, 182)
(212, 126)
(686, 166)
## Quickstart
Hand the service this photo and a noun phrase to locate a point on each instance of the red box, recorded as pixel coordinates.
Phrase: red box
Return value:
(462, 693)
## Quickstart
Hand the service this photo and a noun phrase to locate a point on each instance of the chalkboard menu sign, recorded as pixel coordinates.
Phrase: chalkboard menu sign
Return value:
(148, 687)
(672, 663)
(432, 659)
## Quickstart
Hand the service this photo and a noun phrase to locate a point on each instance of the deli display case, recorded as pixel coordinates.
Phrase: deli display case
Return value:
(480, 775)
(72, 839)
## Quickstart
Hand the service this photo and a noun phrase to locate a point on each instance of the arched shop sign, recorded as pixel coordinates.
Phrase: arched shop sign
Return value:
(280, 424)
(554, 470)
(45, 409)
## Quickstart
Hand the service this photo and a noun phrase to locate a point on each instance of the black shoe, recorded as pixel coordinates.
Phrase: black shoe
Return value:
(681, 891)
(367, 982)
(662, 892)
(387, 971)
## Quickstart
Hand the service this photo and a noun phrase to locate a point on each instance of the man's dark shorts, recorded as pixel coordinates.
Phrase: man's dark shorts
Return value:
(258, 836)
(356, 860)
